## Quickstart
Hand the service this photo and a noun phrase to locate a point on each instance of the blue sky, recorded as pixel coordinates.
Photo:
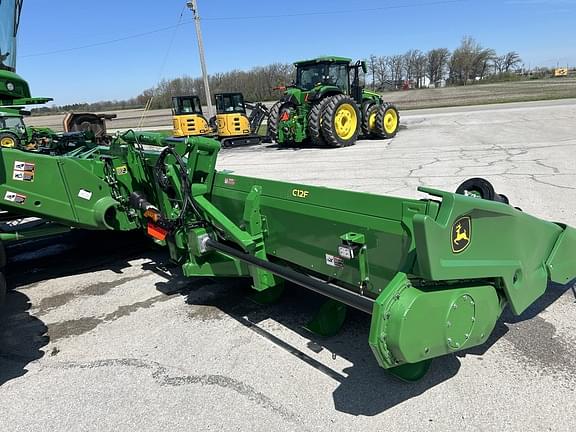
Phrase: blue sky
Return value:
(242, 34)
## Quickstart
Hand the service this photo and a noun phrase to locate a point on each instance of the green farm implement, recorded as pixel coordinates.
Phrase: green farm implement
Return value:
(327, 106)
(435, 274)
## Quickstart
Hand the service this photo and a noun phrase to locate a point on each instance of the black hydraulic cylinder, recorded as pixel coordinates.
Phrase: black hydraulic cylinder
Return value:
(335, 292)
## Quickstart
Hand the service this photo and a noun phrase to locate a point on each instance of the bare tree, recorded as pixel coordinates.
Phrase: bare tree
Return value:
(469, 61)
(395, 65)
(420, 63)
(482, 59)
(498, 62)
(372, 61)
(437, 63)
(409, 63)
(511, 60)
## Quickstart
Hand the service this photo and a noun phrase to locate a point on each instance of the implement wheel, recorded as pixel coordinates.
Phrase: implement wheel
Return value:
(9, 140)
(478, 187)
(369, 113)
(387, 121)
(315, 122)
(340, 121)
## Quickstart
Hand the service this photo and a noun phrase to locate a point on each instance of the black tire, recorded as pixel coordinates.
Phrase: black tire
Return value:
(276, 113)
(481, 188)
(328, 126)
(383, 127)
(315, 122)
(273, 121)
(2, 288)
(368, 109)
(477, 187)
(9, 140)
(2, 255)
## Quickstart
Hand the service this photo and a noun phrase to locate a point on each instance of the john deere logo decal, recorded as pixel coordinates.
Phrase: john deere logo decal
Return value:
(461, 234)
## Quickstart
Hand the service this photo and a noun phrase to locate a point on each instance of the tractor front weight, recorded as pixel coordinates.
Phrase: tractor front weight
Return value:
(434, 274)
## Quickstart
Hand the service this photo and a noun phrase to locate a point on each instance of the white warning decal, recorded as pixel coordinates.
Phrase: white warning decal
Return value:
(15, 197)
(334, 261)
(85, 194)
(23, 171)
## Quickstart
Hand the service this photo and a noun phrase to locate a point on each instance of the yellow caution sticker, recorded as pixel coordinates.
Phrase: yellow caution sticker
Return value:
(121, 170)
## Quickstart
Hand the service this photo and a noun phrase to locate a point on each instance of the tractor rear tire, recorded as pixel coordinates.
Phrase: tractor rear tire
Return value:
(340, 121)
(2, 255)
(387, 121)
(3, 288)
(369, 112)
(273, 121)
(278, 110)
(315, 122)
(9, 140)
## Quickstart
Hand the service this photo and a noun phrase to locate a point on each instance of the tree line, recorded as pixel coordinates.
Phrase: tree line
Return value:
(257, 84)
(468, 63)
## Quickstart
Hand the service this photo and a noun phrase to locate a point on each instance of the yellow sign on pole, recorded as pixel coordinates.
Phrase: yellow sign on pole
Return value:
(558, 72)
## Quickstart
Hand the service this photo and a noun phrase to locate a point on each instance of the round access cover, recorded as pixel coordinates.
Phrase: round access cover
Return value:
(460, 321)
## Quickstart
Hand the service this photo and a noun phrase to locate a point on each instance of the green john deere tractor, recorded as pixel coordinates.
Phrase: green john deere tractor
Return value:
(328, 106)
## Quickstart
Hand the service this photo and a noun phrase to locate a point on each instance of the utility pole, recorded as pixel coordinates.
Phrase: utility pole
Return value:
(193, 6)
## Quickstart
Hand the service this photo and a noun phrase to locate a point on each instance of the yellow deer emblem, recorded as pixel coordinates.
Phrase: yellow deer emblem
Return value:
(461, 234)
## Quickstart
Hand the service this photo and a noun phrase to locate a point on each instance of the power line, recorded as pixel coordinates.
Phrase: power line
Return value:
(243, 18)
(108, 42)
(336, 12)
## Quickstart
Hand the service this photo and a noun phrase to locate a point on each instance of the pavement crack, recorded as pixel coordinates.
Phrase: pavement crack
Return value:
(542, 164)
(534, 178)
(161, 374)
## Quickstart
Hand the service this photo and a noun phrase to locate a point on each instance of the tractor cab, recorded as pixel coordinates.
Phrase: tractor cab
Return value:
(327, 71)
(187, 117)
(9, 20)
(14, 90)
(12, 129)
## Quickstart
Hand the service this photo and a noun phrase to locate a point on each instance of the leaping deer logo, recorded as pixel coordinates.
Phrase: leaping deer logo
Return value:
(461, 234)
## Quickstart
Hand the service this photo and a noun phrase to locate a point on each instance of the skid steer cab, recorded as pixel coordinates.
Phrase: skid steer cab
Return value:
(232, 122)
(188, 118)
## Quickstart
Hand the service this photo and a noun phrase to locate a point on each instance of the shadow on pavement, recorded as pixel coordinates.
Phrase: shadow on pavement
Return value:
(552, 294)
(364, 388)
(72, 253)
(21, 336)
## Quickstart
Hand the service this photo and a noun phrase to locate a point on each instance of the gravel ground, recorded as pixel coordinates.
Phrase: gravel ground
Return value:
(102, 334)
